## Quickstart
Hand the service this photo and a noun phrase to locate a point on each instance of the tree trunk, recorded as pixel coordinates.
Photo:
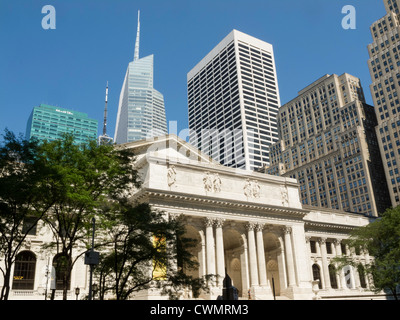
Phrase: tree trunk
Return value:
(5, 291)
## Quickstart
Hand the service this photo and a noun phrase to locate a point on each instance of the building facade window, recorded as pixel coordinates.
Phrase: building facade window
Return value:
(317, 274)
(24, 271)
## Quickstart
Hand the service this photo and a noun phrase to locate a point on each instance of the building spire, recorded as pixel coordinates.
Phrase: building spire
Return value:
(105, 139)
(105, 113)
(136, 56)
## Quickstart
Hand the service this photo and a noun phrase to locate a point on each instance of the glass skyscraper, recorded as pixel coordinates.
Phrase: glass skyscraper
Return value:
(141, 112)
(49, 123)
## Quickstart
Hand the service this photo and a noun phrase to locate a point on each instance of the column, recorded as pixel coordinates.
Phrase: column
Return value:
(325, 268)
(261, 255)
(252, 255)
(342, 281)
(220, 251)
(289, 256)
(368, 278)
(210, 250)
(308, 240)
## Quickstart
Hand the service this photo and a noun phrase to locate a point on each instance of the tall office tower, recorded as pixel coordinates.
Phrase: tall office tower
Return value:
(233, 100)
(384, 67)
(141, 112)
(328, 143)
(49, 123)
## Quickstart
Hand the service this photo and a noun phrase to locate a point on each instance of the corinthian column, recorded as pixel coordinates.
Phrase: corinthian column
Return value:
(325, 263)
(220, 250)
(289, 256)
(252, 255)
(261, 255)
(210, 250)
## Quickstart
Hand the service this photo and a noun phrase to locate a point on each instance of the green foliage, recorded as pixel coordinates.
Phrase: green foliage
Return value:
(83, 178)
(381, 239)
(22, 185)
(65, 185)
(145, 247)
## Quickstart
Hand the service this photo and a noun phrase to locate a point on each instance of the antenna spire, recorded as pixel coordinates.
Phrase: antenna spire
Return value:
(105, 139)
(105, 113)
(136, 56)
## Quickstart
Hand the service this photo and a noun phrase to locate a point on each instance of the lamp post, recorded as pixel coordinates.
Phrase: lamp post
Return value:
(91, 259)
(77, 291)
(94, 288)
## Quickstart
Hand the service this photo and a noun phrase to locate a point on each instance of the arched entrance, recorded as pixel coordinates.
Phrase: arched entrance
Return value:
(192, 233)
(273, 257)
(234, 258)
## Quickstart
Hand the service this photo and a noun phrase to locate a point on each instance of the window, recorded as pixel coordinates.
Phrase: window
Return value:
(329, 247)
(361, 273)
(24, 271)
(60, 264)
(343, 247)
(313, 247)
(317, 274)
(332, 276)
(29, 226)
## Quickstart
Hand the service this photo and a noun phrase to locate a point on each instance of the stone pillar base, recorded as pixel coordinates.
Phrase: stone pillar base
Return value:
(297, 293)
(261, 293)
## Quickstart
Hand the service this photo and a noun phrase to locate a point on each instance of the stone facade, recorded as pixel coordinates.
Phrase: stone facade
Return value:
(248, 224)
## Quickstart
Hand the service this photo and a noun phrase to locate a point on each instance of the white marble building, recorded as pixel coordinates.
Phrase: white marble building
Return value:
(250, 224)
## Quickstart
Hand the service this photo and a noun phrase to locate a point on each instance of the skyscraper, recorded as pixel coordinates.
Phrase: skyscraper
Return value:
(141, 112)
(328, 143)
(233, 101)
(50, 122)
(384, 67)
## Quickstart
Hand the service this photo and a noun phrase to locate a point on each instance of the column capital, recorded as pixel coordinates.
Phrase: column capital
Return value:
(259, 226)
(175, 216)
(322, 240)
(287, 229)
(337, 241)
(250, 226)
(219, 222)
(208, 222)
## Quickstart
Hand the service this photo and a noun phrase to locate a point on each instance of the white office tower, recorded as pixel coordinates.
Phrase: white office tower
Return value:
(141, 112)
(233, 100)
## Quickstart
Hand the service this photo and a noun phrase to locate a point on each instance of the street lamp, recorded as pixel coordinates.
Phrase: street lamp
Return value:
(91, 259)
(77, 290)
(94, 288)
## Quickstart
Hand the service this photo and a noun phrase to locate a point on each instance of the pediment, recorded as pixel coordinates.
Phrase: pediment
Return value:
(168, 148)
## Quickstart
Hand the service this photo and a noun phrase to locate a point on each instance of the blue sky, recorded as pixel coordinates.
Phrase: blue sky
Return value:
(94, 41)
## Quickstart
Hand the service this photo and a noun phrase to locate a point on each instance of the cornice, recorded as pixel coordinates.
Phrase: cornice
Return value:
(295, 213)
(323, 226)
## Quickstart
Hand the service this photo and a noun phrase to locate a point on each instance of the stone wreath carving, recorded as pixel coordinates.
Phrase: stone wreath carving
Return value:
(252, 189)
(212, 182)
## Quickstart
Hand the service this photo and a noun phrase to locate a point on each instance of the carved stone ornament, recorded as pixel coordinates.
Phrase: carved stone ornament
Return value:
(219, 222)
(212, 182)
(171, 175)
(250, 226)
(284, 196)
(252, 189)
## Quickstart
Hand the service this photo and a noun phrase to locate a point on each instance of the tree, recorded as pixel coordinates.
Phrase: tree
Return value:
(146, 249)
(22, 185)
(381, 239)
(84, 176)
